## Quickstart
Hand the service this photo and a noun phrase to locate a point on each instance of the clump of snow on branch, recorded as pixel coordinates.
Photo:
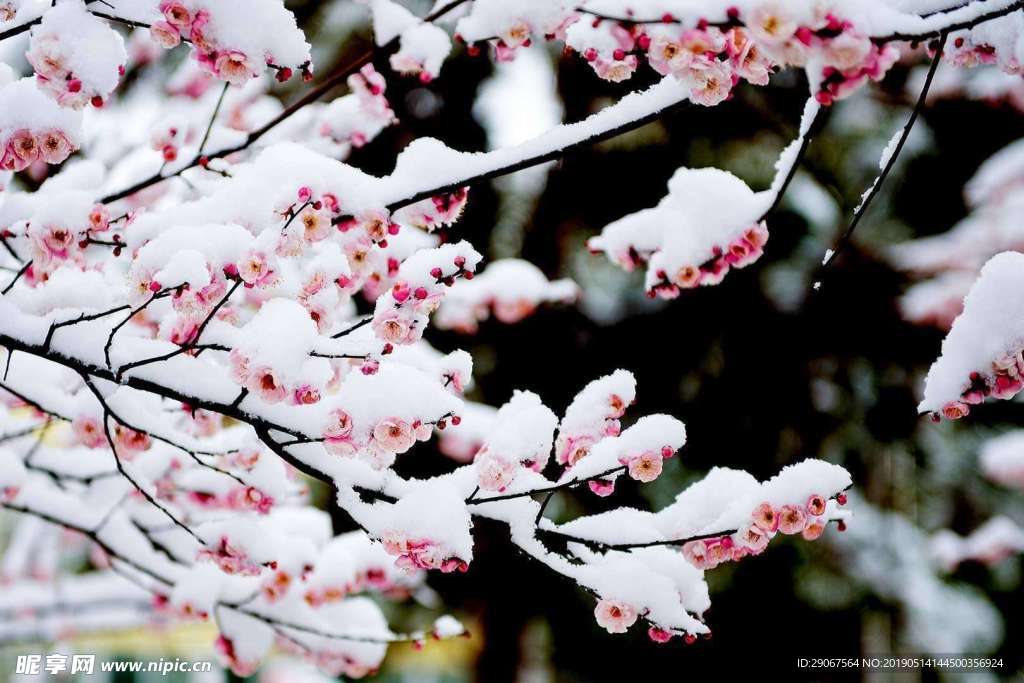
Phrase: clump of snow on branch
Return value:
(33, 127)
(981, 355)
(78, 59)
(707, 224)
(231, 41)
(1001, 459)
(508, 289)
(991, 543)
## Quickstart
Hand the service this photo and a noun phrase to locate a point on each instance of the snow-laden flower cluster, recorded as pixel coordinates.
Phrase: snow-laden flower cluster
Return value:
(510, 289)
(726, 516)
(33, 128)
(401, 315)
(997, 42)
(982, 354)
(709, 49)
(354, 120)
(707, 224)
(233, 42)
(78, 58)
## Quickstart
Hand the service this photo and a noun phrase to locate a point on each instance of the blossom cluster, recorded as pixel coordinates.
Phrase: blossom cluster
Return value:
(509, 289)
(705, 226)
(33, 128)
(400, 317)
(1003, 380)
(982, 354)
(61, 234)
(223, 40)
(766, 520)
(78, 59)
(417, 553)
(356, 119)
(710, 54)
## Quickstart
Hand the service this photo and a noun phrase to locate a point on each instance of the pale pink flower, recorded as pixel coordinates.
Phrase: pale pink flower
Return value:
(765, 517)
(696, 553)
(165, 34)
(395, 542)
(615, 70)
(89, 431)
(25, 146)
(315, 224)
(47, 58)
(666, 55)
(573, 449)
(615, 616)
(769, 22)
(954, 410)
(129, 441)
(99, 218)
(847, 50)
(510, 312)
(305, 395)
(711, 85)
(234, 67)
(57, 239)
(276, 585)
(494, 473)
(395, 328)
(375, 224)
(9, 161)
(197, 34)
(687, 277)
(422, 431)
(753, 537)
(394, 434)
(255, 269)
(813, 530)
(659, 635)
(748, 60)
(792, 519)
(645, 467)
(239, 364)
(602, 487)
(176, 14)
(816, 505)
(757, 235)
(338, 430)
(517, 34)
(265, 383)
(54, 146)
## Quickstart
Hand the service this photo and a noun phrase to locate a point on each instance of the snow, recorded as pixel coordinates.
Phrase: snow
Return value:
(70, 44)
(24, 106)
(1001, 459)
(990, 543)
(991, 326)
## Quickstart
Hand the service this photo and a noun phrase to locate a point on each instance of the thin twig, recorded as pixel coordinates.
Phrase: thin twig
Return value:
(872, 192)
